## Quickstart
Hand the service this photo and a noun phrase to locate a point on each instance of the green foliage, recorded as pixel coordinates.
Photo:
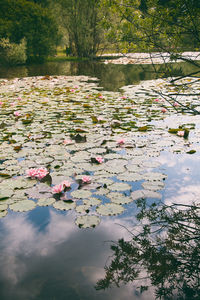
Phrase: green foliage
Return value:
(81, 19)
(25, 19)
(155, 25)
(166, 249)
(11, 53)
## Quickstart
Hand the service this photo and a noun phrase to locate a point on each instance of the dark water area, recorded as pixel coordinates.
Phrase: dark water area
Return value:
(111, 76)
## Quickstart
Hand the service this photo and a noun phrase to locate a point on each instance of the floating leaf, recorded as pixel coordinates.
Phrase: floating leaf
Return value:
(139, 194)
(110, 209)
(61, 205)
(82, 208)
(3, 213)
(23, 205)
(119, 186)
(45, 201)
(5, 194)
(153, 185)
(87, 221)
(81, 194)
(191, 152)
(92, 201)
(119, 198)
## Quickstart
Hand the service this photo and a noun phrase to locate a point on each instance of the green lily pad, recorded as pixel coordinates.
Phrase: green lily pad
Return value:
(140, 194)
(3, 213)
(82, 208)
(81, 194)
(64, 205)
(153, 185)
(92, 201)
(119, 198)
(86, 221)
(119, 186)
(23, 205)
(4, 194)
(45, 201)
(110, 209)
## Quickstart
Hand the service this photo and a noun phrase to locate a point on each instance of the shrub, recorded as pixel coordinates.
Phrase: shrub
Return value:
(11, 53)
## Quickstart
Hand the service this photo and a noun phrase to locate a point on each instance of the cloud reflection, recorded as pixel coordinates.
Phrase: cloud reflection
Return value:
(60, 262)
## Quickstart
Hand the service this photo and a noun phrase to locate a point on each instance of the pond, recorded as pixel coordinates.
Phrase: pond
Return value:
(75, 159)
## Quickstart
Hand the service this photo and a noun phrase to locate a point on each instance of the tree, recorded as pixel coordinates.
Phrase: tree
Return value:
(168, 27)
(26, 19)
(166, 251)
(81, 18)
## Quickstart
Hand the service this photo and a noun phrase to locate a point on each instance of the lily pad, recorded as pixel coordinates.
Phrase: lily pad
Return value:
(86, 221)
(61, 205)
(110, 209)
(3, 213)
(119, 198)
(23, 205)
(140, 194)
(45, 201)
(153, 185)
(119, 186)
(81, 194)
(82, 208)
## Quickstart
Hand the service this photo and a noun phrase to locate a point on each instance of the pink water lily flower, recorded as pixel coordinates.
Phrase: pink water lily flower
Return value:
(66, 142)
(37, 173)
(66, 184)
(31, 172)
(17, 113)
(180, 133)
(57, 189)
(100, 97)
(121, 142)
(176, 104)
(1, 103)
(123, 97)
(12, 104)
(86, 179)
(72, 90)
(163, 110)
(41, 173)
(99, 159)
(156, 100)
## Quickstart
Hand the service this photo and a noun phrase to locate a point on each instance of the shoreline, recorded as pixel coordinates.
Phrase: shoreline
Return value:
(149, 58)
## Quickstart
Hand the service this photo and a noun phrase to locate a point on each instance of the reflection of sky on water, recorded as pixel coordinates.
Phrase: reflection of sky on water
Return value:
(60, 261)
(44, 255)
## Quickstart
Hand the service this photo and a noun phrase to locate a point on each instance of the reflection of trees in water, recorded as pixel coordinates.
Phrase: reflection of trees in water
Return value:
(166, 248)
(111, 76)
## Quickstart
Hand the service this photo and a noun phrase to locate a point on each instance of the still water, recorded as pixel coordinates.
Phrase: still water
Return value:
(44, 255)
(111, 76)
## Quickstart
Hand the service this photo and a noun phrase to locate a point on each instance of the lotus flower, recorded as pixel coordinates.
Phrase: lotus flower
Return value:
(16, 113)
(37, 173)
(66, 142)
(57, 189)
(32, 172)
(41, 173)
(99, 159)
(180, 133)
(66, 184)
(163, 110)
(121, 142)
(156, 100)
(86, 179)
